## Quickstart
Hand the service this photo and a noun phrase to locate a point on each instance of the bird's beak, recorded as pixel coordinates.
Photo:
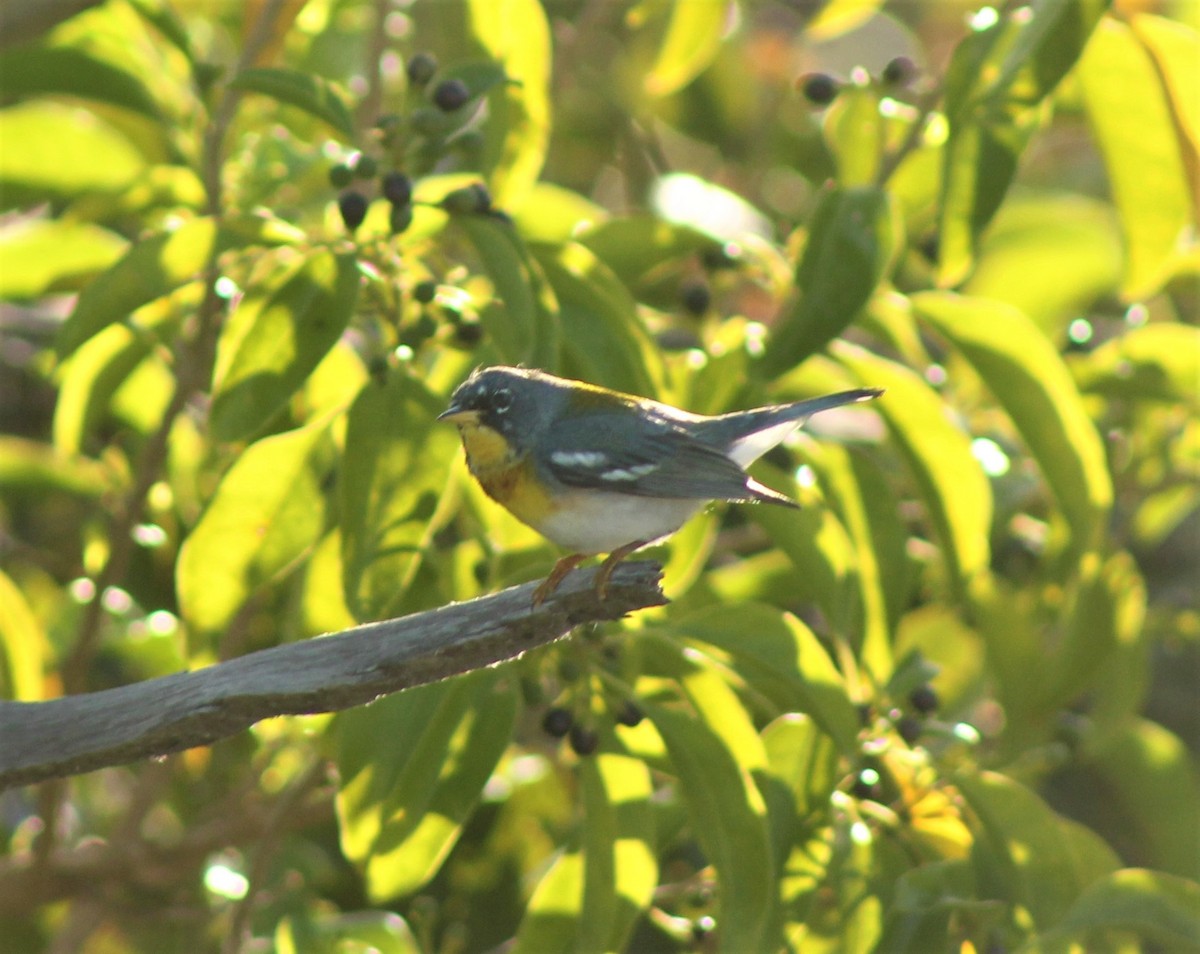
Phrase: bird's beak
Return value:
(459, 415)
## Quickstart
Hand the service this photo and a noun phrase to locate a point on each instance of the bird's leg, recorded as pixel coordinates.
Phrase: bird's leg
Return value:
(610, 564)
(561, 569)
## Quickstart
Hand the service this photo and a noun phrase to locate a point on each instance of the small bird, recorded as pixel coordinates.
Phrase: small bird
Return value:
(597, 471)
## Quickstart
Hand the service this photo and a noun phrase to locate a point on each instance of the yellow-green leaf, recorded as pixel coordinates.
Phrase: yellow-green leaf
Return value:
(692, 39)
(1027, 376)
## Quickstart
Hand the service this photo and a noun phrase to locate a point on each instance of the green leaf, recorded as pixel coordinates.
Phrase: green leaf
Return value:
(996, 80)
(31, 466)
(48, 167)
(440, 783)
(620, 867)
(855, 129)
(1131, 119)
(42, 256)
(394, 473)
(24, 649)
(1066, 248)
(803, 765)
(818, 545)
(604, 341)
(36, 70)
(157, 265)
(636, 246)
(1152, 784)
(1106, 610)
(272, 344)
(517, 35)
(1156, 362)
(152, 268)
(728, 817)
(1025, 851)
(268, 510)
(1027, 376)
(524, 328)
(1159, 909)
(550, 214)
(953, 486)
(314, 94)
(853, 238)
(92, 375)
(692, 40)
(551, 920)
(782, 658)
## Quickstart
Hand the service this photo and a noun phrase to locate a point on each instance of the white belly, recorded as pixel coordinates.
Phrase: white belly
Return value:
(599, 522)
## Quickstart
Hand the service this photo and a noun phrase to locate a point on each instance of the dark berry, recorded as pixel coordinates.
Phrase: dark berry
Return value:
(424, 292)
(909, 728)
(696, 298)
(353, 206)
(924, 699)
(420, 68)
(397, 188)
(365, 167)
(450, 95)
(468, 333)
(557, 722)
(340, 176)
(630, 714)
(899, 71)
(584, 741)
(400, 218)
(866, 713)
(818, 88)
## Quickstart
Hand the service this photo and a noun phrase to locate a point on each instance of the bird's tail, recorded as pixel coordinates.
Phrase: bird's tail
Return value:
(750, 434)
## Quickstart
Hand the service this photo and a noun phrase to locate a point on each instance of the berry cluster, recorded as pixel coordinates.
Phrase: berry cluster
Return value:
(395, 186)
(413, 144)
(821, 89)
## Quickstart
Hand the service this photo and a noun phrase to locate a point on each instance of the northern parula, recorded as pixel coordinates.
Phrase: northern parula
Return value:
(598, 471)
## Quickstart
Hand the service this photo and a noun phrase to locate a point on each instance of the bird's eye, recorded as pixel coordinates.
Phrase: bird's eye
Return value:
(502, 399)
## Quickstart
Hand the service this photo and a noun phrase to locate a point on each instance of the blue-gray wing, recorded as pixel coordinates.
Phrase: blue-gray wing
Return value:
(653, 458)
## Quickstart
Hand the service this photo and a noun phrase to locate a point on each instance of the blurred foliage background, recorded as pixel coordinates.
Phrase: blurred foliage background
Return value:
(248, 249)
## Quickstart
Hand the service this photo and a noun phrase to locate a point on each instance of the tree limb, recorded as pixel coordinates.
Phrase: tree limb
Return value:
(74, 734)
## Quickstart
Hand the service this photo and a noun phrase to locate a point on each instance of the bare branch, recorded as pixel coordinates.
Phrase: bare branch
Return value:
(74, 734)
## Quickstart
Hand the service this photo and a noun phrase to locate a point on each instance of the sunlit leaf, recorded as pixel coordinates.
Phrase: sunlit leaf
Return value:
(268, 510)
(439, 784)
(782, 657)
(53, 137)
(552, 917)
(517, 35)
(32, 466)
(1156, 362)
(23, 646)
(273, 342)
(393, 475)
(855, 129)
(38, 256)
(956, 492)
(996, 79)
(307, 91)
(853, 238)
(1066, 248)
(525, 327)
(692, 39)
(1028, 378)
(728, 818)
(1131, 119)
(638, 245)
(620, 867)
(838, 17)
(91, 376)
(550, 213)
